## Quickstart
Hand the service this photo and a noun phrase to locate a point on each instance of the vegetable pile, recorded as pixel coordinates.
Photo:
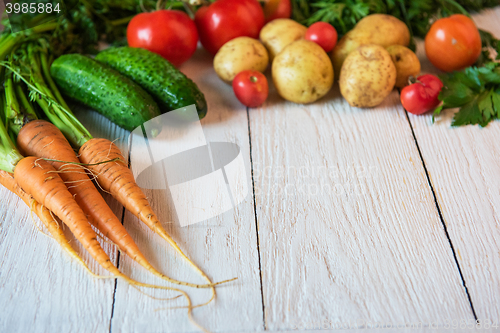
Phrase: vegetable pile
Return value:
(53, 176)
(39, 132)
(48, 61)
(418, 15)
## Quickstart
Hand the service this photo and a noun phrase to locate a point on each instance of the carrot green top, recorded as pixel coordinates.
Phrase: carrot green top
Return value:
(9, 155)
(29, 63)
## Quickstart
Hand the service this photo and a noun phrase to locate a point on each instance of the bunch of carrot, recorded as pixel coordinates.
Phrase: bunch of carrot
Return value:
(40, 166)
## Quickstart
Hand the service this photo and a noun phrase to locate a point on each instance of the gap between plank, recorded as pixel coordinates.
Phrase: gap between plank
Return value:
(118, 256)
(116, 283)
(256, 223)
(441, 217)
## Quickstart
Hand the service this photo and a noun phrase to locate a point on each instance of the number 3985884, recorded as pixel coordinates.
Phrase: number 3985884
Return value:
(32, 8)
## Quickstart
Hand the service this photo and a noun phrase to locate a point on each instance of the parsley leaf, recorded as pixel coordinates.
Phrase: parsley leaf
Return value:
(469, 114)
(476, 91)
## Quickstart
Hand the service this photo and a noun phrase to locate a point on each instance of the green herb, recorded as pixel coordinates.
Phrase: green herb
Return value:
(476, 91)
(489, 42)
(418, 15)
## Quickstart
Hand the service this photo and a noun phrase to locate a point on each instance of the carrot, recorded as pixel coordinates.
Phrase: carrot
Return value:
(42, 139)
(116, 178)
(40, 180)
(48, 220)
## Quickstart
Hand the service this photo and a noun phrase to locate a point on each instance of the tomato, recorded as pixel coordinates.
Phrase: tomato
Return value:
(453, 43)
(274, 9)
(224, 20)
(323, 34)
(422, 96)
(251, 88)
(170, 33)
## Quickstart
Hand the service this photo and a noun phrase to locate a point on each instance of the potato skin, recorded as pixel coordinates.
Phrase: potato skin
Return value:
(302, 72)
(379, 29)
(279, 33)
(367, 76)
(406, 62)
(239, 54)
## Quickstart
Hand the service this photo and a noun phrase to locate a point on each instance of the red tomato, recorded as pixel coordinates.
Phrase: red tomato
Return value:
(251, 88)
(323, 34)
(227, 19)
(170, 33)
(422, 96)
(274, 9)
(453, 43)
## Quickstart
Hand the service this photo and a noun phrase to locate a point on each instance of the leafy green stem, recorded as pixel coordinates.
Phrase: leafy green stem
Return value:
(9, 155)
(26, 105)
(12, 39)
(13, 115)
(46, 75)
(121, 21)
(58, 114)
(61, 117)
(458, 6)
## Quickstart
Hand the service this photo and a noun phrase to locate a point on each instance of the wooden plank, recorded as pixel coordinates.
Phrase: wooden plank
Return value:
(464, 168)
(348, 228)
(42, 289)
(224, 247)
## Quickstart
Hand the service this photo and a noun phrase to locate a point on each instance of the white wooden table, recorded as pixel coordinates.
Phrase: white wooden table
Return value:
(356, 218)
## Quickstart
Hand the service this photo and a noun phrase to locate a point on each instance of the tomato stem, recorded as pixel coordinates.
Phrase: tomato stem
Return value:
(121, 21)
(412, 79)
(189, 9)
(458, 6)
(253, 79)
(160, 4)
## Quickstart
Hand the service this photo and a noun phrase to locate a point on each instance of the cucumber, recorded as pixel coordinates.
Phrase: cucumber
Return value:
(103, 89)
(169, 87)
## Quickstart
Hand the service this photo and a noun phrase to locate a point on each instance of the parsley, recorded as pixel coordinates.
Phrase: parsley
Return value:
(476, 91)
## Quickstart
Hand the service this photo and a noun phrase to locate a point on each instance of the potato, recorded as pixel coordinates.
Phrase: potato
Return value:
(406, 62)
(379, 29)
(302, 72)
(367, 76)
(240, 54)
(279, 33)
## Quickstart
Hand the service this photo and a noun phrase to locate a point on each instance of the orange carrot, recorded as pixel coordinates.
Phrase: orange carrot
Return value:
(116, 178)
(41, 181)
(49, 221)
(42, 139)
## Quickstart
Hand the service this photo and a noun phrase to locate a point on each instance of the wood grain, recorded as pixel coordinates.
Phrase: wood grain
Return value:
(42, 289)
(464, 168)
(348, 228)
(224, 247)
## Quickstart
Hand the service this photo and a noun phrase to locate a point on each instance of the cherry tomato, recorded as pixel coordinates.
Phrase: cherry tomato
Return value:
(224, 20)
(274, 9)
(422, 96)
(453, 43)
(170, 33)
(323, 34)
(251, 88)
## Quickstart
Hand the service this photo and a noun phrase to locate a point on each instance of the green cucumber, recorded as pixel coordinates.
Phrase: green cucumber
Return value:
(103, 89)
(170, 88)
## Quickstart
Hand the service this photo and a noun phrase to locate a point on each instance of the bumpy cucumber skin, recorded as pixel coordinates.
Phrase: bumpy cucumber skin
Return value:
(169, 87)
(103, 89)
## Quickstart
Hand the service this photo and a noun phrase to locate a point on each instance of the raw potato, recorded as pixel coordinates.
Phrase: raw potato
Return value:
(240, 54)
(406, 62)
(379, 29)
(367, 76)
(279, 33)
(302, 72)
